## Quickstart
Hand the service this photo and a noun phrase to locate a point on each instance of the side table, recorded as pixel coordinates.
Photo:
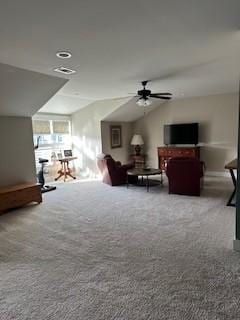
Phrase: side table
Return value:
(65, 170)
(139, 160)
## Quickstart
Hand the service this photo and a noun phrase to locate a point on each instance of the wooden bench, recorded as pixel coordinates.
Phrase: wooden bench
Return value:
(16, 196)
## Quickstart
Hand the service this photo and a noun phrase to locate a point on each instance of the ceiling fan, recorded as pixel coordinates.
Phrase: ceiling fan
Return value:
(145, 94)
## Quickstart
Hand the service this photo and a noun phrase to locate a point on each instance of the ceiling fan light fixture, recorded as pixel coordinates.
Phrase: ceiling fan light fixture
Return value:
(144, 102)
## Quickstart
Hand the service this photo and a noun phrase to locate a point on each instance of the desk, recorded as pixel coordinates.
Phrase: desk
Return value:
(65, 170)
(231, 166)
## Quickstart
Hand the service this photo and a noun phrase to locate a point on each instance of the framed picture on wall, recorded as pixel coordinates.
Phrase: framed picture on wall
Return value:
(116, 136)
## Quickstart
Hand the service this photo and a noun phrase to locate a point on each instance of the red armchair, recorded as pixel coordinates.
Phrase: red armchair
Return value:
(113, 172)
(184, 175)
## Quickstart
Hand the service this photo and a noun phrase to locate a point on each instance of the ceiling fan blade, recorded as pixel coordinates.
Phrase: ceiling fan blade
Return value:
(160, 97)
(134, 95)
(163, 93)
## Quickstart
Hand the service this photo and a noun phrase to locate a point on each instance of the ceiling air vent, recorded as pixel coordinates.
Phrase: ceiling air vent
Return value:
(64, 70)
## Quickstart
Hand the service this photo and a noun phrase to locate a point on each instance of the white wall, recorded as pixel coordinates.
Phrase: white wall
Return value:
(218, 119)
(86, 131)
(17, 162)
(119, 154)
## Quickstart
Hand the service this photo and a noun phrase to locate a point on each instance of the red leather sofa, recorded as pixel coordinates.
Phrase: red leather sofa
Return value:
(184, 175)
(113, 172)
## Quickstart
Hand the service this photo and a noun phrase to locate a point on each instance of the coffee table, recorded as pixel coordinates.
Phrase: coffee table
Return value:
(144, 173)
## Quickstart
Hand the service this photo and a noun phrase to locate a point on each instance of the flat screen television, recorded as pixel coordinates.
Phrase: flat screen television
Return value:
(181, 133)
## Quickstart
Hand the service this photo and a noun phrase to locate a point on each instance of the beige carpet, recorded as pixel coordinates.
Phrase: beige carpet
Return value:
(94, 252)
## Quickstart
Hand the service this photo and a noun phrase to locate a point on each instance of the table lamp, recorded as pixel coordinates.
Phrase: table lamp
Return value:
(137, 141)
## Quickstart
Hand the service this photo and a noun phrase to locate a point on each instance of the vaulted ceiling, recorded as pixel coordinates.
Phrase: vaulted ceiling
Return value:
(189, 48)
(24, 92)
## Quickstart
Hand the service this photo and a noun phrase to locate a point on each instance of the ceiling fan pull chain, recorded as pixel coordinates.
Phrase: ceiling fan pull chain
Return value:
(144, 112)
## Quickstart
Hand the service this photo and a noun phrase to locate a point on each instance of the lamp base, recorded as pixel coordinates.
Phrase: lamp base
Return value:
(137, 150)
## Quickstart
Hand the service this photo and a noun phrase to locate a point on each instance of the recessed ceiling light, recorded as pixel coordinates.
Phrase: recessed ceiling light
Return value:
(65, 70)
(64, 54)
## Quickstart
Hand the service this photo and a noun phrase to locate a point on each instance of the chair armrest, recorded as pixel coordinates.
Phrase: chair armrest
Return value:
(128, 166)
(118, 163)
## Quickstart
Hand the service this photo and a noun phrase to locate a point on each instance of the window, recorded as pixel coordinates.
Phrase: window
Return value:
(53, 136)
(50, 132)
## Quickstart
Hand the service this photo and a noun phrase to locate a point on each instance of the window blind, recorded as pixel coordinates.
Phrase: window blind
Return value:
(61, 127)
(41, 127)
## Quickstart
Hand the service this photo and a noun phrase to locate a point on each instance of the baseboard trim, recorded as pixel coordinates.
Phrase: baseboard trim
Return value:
(236, 245)
(217, 174)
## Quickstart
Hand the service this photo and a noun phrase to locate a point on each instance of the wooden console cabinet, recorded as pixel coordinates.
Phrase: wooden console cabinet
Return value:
(165, 153)
(19, 195)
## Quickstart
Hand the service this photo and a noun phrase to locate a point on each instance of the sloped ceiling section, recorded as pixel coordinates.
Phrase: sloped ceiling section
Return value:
(132, 110)
(23, 92)
(64, 104)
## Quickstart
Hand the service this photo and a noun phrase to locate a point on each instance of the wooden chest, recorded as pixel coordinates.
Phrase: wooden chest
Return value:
(19, 195)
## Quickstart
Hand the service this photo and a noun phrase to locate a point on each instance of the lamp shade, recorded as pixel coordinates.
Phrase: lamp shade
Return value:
(137, 140)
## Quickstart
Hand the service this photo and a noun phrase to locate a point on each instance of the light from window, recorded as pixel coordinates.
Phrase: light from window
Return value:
(54, 137)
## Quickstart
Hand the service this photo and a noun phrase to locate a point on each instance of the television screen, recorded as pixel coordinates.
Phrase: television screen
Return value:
(182, 133)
